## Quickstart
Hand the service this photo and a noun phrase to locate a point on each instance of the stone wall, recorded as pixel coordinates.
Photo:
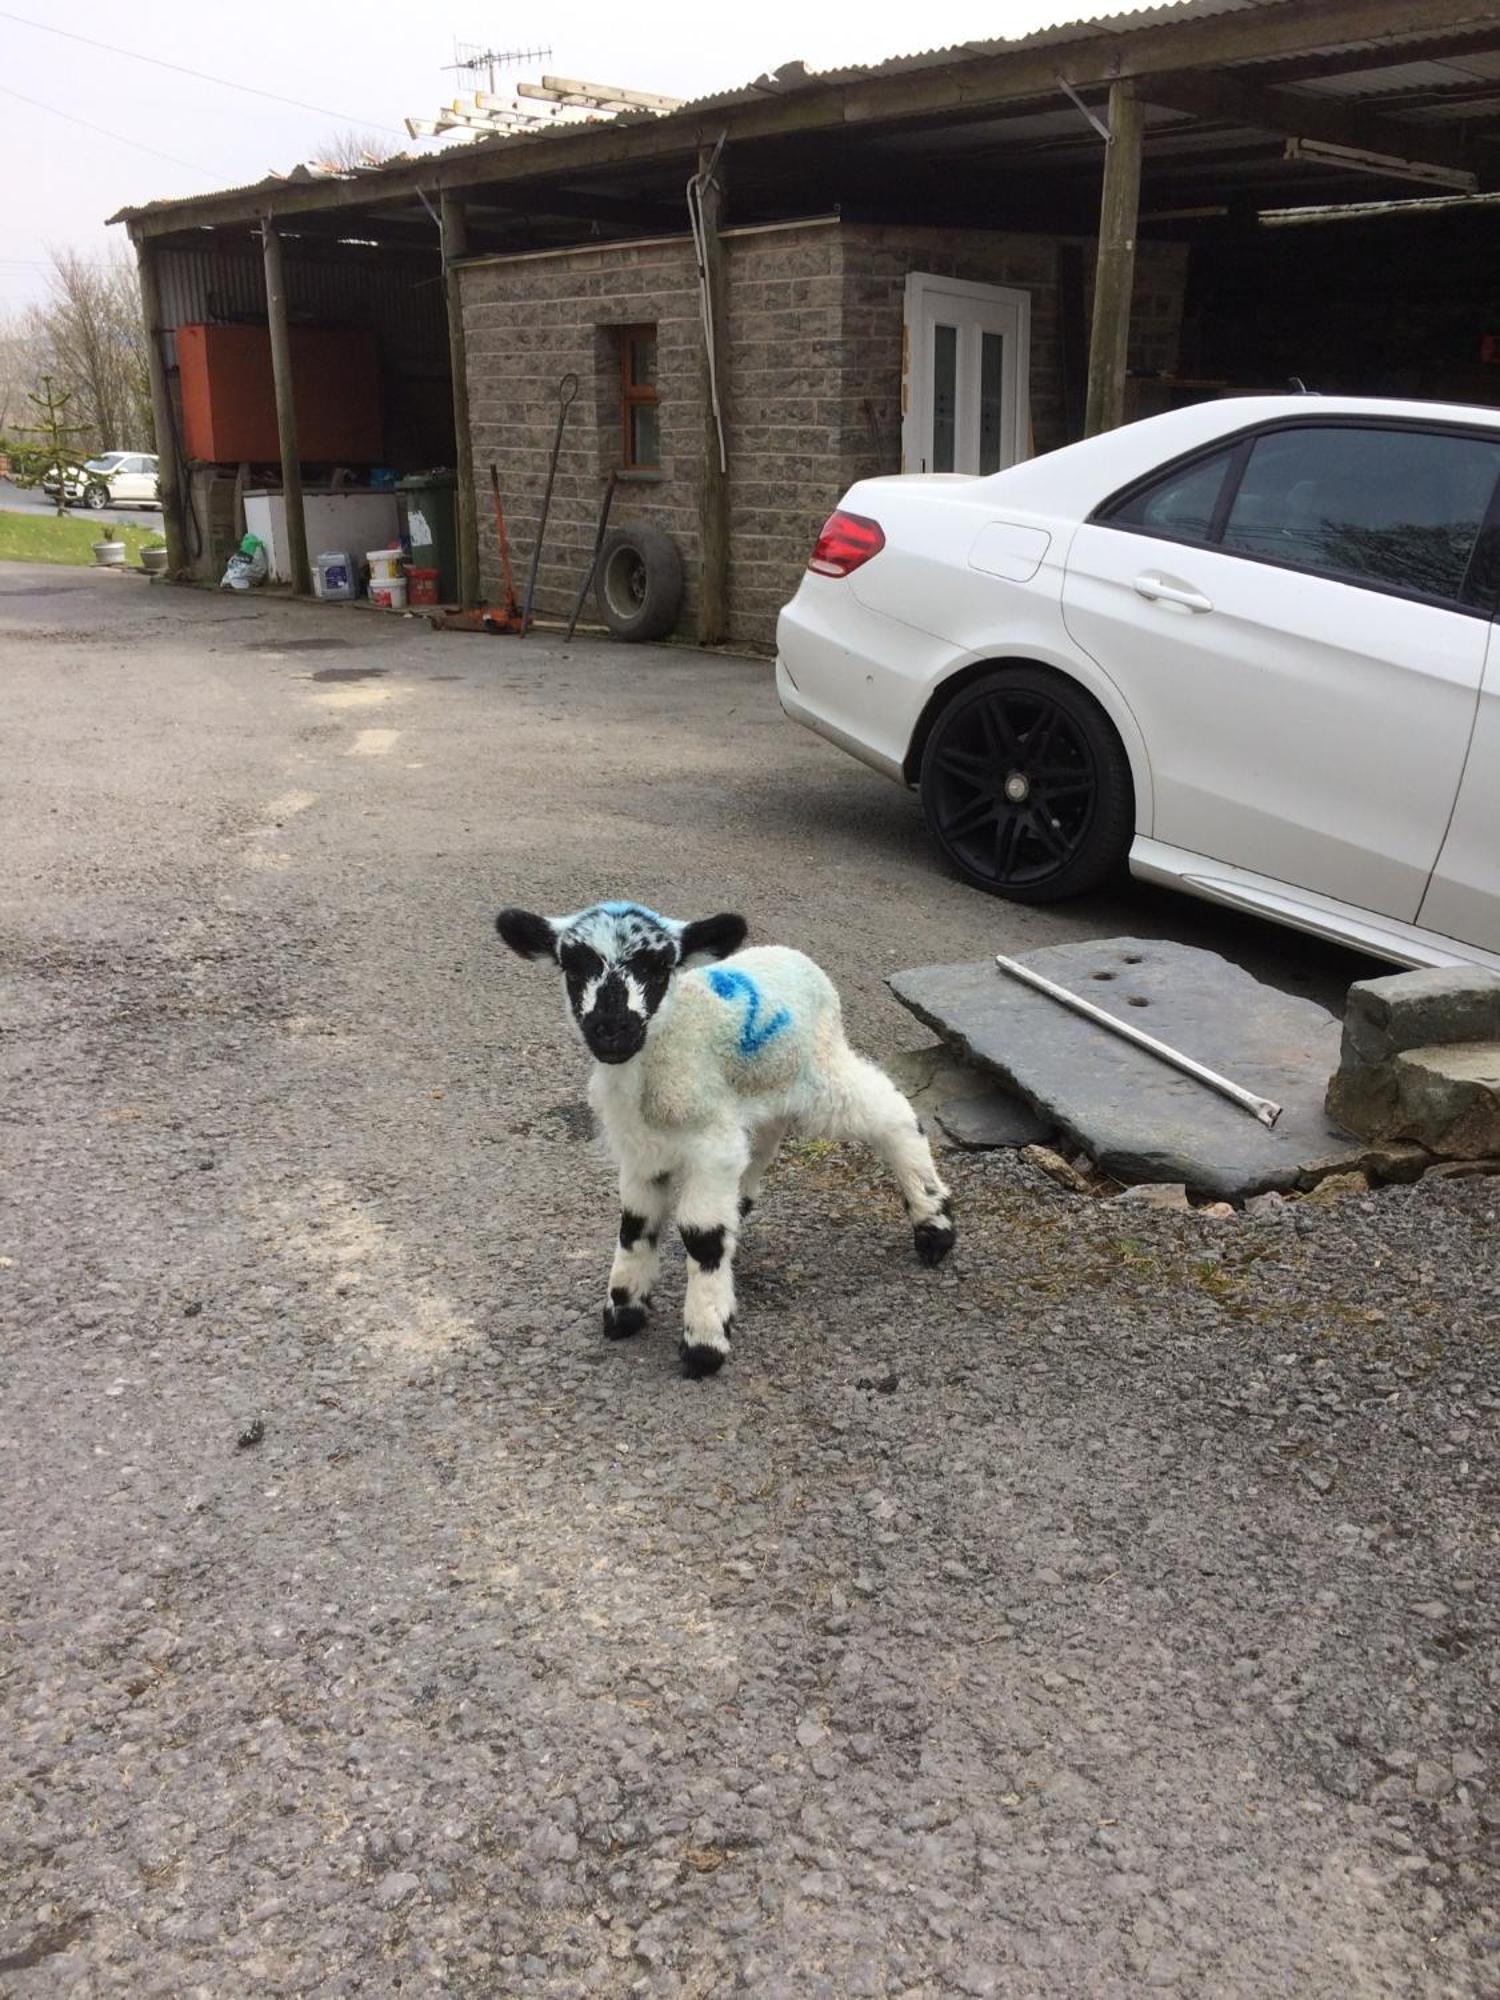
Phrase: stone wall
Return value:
(811, 397)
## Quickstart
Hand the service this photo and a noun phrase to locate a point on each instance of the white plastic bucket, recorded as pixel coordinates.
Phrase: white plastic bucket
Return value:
(390, 594)
(384, 565)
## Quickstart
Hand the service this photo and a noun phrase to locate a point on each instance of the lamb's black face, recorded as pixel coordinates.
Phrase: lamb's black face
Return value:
(617, 963)
(616, 970)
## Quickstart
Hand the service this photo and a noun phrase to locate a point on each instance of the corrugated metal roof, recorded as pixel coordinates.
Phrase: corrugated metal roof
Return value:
(1378, 79)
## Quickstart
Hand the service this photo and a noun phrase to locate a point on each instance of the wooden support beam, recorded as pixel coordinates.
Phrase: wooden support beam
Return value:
(455, 231)
(1114, 270)
(713, 568)
(169, 471)
(286, 410)
(1335, 121)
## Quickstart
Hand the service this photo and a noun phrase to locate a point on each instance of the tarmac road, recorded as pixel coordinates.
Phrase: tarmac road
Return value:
(1110, 1611)
(32, 500)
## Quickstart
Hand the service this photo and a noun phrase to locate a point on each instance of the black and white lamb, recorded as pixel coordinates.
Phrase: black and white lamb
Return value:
(705, 1057)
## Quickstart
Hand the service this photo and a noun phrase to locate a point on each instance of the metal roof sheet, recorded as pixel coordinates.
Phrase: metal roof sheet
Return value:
(1376, 79)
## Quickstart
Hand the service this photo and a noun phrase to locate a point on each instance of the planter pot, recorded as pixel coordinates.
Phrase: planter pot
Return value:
(109, 555)
(154, 561)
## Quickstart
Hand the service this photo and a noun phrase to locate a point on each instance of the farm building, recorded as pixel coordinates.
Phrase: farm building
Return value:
(941, 263)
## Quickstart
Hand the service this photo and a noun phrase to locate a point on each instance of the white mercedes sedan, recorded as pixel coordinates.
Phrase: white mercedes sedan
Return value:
(1246, 647)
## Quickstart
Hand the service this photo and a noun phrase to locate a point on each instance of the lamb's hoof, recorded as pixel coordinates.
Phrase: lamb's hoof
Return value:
(934, 1239)
(747, 1204)
(697, 1363)
(622, 1320)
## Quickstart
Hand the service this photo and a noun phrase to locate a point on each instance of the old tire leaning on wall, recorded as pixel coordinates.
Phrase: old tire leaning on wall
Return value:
(638, 586)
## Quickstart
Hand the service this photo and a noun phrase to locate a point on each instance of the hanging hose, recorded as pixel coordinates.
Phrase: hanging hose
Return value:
(697, 187)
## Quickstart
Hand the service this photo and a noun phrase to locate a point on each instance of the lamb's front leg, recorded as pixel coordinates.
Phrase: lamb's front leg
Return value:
(644, 1202)
(708, 1207)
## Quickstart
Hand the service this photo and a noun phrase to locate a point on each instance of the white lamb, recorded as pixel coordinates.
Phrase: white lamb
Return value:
(701, 1068)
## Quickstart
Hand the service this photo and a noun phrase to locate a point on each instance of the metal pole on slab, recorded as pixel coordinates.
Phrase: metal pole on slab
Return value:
(1258, 1107)
(286, 410)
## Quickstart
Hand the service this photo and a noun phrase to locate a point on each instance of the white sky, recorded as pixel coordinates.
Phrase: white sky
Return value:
(371, 64)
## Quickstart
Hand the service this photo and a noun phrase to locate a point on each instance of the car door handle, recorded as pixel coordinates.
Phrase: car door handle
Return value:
(1158, 591)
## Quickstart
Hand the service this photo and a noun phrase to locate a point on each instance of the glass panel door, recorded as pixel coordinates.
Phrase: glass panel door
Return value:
(944, 396)
(991, 392)
(966, 393)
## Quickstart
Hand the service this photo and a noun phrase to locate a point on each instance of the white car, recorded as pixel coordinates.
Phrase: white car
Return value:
(1246, 647)
(117, 478)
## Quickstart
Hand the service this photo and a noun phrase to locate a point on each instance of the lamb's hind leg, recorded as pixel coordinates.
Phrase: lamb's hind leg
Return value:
(762, 1151)
(873, 1110)
(643, 1209)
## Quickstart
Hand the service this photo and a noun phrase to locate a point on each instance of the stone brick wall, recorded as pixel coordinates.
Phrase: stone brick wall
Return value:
(812, 395)
(527, 322)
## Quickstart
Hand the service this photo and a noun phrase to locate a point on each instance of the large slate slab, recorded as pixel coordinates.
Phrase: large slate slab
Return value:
(1140, 1119)
(991, 1118)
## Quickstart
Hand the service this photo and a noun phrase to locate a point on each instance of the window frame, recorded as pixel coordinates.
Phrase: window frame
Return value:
(1476, 597)
(634, 395)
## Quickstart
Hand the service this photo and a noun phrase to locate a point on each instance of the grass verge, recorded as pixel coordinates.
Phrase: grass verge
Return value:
(44, 538)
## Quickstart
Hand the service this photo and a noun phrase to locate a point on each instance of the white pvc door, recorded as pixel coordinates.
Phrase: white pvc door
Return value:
(966, 386)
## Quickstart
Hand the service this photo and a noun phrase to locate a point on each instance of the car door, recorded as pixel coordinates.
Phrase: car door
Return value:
(1294, 621)
(1463, 899)
(132, 480)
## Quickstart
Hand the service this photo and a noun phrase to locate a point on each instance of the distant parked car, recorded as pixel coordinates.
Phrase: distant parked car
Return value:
(118, 478)
(1246, 647)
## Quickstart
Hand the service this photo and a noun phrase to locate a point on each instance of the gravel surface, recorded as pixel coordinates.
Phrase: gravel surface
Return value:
(1110, 1611)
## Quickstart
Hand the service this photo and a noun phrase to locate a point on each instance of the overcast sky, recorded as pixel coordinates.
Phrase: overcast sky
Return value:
(367, 65)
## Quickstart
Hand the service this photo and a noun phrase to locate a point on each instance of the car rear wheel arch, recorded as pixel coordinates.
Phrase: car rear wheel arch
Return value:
(1042, 851)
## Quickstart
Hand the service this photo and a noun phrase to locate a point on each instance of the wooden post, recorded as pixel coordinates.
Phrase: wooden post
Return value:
(713, 566)
(286, 410)
(169, 473)
(455, 240)
(1114, 273)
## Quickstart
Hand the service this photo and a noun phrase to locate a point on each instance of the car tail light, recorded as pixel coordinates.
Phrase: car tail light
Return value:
(847, 541)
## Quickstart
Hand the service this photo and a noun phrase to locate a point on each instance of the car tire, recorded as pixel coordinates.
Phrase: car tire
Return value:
(638, 588)
(96, 497)
(1026, 787)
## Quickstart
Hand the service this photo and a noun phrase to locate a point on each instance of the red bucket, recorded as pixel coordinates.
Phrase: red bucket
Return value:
(424, 586)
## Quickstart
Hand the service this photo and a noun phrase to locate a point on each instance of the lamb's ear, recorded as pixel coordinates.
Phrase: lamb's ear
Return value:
(713, 937)
(527, 933)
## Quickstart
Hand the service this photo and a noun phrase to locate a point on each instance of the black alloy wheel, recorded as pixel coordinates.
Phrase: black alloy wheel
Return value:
(1026, 787)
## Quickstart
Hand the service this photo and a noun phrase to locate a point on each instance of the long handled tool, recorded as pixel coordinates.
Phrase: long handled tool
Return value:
(567, 389)
(506, 617)
(1258, 1107)
(599, 532)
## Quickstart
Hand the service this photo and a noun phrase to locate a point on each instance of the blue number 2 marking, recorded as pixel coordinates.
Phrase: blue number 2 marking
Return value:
(754, 1032)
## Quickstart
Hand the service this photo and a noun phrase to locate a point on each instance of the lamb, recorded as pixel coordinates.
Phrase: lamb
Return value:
(705, 1056)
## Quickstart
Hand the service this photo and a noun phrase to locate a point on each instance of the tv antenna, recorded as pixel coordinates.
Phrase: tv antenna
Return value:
(473, 58)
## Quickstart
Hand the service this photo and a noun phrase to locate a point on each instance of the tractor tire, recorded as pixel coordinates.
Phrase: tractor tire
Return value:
(639, 585)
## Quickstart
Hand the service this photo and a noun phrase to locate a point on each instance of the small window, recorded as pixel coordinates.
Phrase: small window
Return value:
(640, 419)
(1180, 507)
(1396, 508)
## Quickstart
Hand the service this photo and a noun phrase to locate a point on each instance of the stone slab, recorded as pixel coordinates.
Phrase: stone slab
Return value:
(989, 1118)
(1139, 1118)
(1419, 1010)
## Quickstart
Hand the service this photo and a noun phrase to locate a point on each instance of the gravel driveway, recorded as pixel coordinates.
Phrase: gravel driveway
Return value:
(1110, 1611)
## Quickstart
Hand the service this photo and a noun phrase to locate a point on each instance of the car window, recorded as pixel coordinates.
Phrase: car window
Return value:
(1181, 506)
(1402, 508)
